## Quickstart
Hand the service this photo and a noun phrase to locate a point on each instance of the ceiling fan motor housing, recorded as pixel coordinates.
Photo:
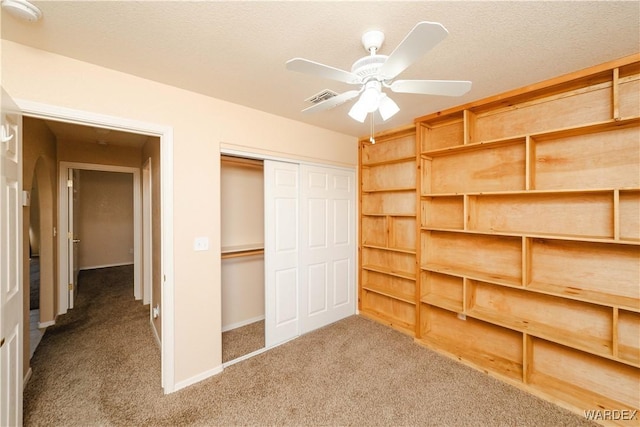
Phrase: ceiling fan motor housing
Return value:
(368, 67)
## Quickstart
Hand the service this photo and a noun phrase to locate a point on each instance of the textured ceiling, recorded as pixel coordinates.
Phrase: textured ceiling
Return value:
(236, 51)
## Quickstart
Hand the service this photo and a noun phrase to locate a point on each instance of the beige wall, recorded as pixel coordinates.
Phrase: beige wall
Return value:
(200, 124)
(151, 151)
(105, 219)
(39, 163)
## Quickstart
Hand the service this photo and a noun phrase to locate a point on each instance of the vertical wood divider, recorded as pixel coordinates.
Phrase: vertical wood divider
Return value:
(614, 334)
(526, 261)
(390, 232)
(530, 159)
(527, 357)
(469, 127)
(418, 260)
(616, 214)
(359, 271)
(615, 94)
(466, 304)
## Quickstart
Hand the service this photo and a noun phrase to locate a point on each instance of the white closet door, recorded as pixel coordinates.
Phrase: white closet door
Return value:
(327, 246)
(281, 189)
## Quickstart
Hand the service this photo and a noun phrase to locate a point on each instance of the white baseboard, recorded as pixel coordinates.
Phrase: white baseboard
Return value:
(118, 264)
(242, 323)
(42, 325)
(197, 378)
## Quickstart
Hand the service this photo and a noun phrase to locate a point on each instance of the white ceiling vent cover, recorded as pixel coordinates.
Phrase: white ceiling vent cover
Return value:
(321, 96)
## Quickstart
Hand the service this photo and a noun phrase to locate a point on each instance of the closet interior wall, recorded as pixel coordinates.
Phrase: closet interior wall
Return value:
(506, 234)
(242, 237)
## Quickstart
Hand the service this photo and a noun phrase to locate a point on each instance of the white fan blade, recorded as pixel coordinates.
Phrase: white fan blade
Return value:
(302, 65)
(332, 102)
(420, 40)
(432, 87)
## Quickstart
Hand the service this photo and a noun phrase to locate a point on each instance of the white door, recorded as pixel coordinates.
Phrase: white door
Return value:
(281, 187)
(72, 234)
(11, 325)
(327, 246)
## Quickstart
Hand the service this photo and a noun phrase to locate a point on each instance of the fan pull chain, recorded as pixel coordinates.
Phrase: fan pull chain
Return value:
(372, 140)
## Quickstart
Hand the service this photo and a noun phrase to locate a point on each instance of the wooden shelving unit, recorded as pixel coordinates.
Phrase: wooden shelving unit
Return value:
(388, 239)
(527, 235)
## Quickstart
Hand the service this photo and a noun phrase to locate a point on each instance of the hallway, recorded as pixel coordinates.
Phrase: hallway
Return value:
(85, 365)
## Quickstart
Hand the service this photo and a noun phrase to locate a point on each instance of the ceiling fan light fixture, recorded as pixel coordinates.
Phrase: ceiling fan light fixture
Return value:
(370, 99)
(358, 112)
(388, 108)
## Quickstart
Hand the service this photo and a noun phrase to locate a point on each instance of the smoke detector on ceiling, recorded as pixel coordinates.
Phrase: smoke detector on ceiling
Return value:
(22, 9)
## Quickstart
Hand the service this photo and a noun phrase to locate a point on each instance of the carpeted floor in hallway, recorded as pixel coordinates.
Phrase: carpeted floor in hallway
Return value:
(100, 365)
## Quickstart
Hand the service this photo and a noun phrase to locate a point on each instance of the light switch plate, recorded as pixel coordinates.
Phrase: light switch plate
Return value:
(201, 244)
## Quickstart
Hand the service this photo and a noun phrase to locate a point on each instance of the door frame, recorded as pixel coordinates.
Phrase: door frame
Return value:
(63, 213)
(165, 133)
(147, 236)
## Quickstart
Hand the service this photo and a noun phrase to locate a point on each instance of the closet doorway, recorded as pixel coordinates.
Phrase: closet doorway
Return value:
(288, 250)
(242, 240)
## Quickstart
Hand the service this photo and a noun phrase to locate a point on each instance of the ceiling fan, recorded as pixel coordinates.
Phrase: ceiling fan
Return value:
(375, 72)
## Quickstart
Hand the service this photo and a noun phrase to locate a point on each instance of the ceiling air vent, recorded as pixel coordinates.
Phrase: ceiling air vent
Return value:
(321, 96)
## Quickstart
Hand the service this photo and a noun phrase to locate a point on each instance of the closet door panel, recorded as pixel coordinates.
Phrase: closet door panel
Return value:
(327, 247)
(281, 181)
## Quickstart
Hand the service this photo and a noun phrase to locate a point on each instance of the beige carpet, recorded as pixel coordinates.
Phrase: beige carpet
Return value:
(244, 340)
(100, 366)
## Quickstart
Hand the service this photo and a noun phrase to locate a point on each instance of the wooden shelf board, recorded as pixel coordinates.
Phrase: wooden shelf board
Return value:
(586, 129)
(409, 299)
(400, 325)
(629, 354)
(390, 190)
(566, 237)
(390, 271)
(387, 248)
(474, 146)
(593, 345)
(461, 272)
(480, 360)
(538, 136)
(601, 298)
(443, 302)
(389, 162)
(397, 214)
(530, 192)
(573, 394)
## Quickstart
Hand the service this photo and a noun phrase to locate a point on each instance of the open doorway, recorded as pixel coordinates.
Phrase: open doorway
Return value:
(95, 156)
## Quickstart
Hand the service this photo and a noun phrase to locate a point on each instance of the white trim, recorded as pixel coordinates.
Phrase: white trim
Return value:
(231, 150)
(242, 323)
(42, 325)
(147, 234)
(117, 264)
(197, 378)
(63, 213)
(254, 353)
(52, 112)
